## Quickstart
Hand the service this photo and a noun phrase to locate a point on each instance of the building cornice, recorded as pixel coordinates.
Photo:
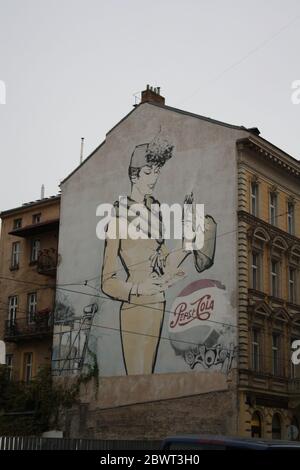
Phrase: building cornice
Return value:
(28, 206)
(272, 229)
(274, 155)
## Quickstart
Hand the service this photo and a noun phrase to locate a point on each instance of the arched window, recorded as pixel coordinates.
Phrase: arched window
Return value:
(294, 430)
(276, 427)
(256, 426)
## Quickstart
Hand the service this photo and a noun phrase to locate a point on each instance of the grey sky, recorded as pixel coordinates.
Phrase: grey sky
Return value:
(71, 68)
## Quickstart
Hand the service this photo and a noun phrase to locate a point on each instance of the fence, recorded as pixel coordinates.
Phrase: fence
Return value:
(43, 443)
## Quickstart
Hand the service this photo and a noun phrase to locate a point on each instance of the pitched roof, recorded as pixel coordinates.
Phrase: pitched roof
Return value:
(254, 131)
(28, 205)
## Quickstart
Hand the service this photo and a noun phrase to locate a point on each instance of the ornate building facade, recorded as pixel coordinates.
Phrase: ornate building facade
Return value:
(269, 296)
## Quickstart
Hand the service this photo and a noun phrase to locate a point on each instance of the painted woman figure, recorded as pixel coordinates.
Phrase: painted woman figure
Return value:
(150, 268)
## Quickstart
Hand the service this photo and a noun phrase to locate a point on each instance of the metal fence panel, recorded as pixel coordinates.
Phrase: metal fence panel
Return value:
(43, 443)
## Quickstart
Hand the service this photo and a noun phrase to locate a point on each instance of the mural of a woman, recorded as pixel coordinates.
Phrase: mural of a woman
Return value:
(149, 267)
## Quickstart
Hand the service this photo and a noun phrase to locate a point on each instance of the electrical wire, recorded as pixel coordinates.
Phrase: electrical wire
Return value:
(120, 269)
(59, 287)
(168, 339)
(173, 340)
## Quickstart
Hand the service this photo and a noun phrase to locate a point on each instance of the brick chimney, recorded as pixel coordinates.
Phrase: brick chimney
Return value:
(152, 95)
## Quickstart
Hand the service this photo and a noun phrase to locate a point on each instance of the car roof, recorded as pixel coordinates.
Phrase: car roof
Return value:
(231, 440)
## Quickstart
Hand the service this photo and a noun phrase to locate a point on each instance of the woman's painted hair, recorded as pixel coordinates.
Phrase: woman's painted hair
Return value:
(157, 153)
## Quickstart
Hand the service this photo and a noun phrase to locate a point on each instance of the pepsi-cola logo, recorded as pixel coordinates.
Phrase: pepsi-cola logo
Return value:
(186, 312)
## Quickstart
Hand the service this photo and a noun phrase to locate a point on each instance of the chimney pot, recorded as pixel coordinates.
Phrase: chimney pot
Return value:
(152, 95)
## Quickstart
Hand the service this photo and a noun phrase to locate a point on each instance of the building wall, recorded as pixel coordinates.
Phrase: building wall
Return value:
(266, 414)
(260, 310)
(212, 413)
(204, 162)
(285, 192)
(26, 280)
(41, 351)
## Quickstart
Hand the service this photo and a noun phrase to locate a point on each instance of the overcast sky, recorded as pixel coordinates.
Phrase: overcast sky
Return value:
(71, 69)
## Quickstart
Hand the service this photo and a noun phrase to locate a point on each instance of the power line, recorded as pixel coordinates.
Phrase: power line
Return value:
(132, 305)
(77, 320)
(148, 335)
(242, 59)
(174, 251)
(58, 286)
(120, 269)
(44, 286)
(140, 305)
(167, 339)
(173, 340)
(105, 327)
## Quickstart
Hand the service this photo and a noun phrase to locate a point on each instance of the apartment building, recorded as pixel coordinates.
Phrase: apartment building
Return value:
(28, 261)
(269, 293)
(210, 353)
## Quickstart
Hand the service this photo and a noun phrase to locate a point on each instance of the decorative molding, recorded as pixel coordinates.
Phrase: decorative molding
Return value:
(272, 230)
(274, 189)
(275, 156)
(265, 307)
(255, 179)
(242, 267)
(291, 200)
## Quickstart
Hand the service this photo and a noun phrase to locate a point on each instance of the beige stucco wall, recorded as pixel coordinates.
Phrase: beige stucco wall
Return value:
(26, 280)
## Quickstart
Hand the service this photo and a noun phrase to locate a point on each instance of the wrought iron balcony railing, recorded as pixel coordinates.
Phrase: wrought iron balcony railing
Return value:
(47, 262)
(37, 326)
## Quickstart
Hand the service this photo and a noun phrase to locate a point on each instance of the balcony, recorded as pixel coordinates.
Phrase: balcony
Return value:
(47, 262)
(21, 329)
(36, 229)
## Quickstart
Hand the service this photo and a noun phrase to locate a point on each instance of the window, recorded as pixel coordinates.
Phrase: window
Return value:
(274, 278)
(256, 425)
(292, 285)
(27, 367)
(35, 248)
(290, 218)
(276, 427)
(12, 309)
(254, 198)
(255, 271)
(275, 354)
(32, 301)
(15, 255)
(36, 218)
(17, 223)
(273, 208)
(256, 349)
(9, 365)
